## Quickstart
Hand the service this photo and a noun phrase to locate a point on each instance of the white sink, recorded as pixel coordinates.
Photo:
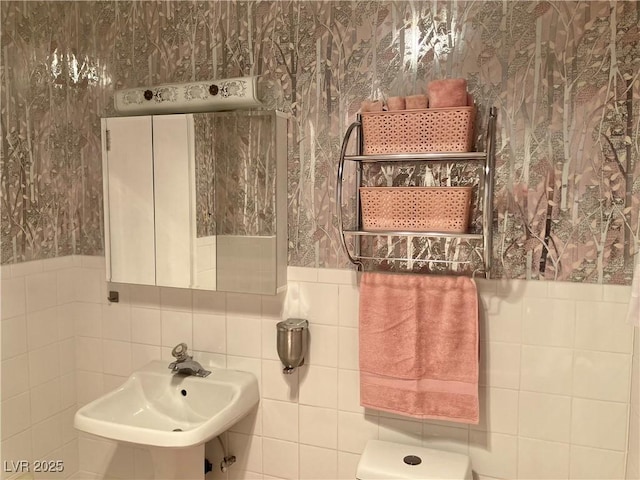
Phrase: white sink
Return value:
(156, 407)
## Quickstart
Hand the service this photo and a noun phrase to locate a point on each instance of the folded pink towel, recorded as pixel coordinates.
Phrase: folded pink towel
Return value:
(419, 346)
(449, 92)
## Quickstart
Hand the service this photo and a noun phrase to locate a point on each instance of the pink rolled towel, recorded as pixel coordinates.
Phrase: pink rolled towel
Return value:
(371, 106)
(419, 346)
(449, 92)
(416, 102)
(395, 103)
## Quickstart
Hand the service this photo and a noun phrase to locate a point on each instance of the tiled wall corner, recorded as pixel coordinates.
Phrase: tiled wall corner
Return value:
(39, 364)
(554, 384)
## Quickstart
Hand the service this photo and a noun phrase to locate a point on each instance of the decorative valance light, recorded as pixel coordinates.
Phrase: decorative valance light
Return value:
(203, 96)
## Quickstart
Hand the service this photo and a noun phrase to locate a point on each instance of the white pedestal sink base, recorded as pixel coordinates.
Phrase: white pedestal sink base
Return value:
(178, 463)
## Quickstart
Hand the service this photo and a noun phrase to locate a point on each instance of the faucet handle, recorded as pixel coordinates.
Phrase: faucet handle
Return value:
(180, 352)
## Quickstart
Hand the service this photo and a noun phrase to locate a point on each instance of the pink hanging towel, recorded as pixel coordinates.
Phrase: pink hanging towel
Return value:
(419, 346)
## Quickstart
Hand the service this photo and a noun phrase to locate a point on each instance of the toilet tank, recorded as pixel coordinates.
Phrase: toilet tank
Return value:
(385, 460)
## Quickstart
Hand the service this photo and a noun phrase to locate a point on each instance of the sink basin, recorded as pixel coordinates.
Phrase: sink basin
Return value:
(159, 408)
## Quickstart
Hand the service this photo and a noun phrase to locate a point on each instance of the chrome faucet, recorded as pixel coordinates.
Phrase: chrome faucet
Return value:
(185, 363)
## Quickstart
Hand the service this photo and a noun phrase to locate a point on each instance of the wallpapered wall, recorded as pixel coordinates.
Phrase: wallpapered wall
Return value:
(563, 75)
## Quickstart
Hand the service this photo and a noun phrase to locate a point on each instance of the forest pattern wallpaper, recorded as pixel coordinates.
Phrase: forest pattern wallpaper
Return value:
(564, 76)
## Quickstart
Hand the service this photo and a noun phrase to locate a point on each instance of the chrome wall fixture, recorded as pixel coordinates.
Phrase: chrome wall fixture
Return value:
(292, 343)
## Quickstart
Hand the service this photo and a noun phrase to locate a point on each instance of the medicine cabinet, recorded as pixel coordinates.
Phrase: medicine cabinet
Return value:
(197, 200)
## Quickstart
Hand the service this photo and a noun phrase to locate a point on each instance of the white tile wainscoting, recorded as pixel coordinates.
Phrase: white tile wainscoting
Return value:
(556, 370)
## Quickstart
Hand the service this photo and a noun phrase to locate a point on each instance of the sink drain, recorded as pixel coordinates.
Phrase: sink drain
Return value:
(177, 430)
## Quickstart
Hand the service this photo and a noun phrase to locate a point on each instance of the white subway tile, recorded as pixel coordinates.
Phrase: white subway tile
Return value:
(504, 322)
(445, 437)
(96, 454)
(47, 436)
(44, 365)
(596, 464)
(68, 391)
(42, 328)
(17, 448)
(90, 385)
(521, 288)
(269, 337)
(251, 424)
(116, 357)
(545, 417)
(540, 459)
(323, 345)
(575, 291)
(22, 269)
(280, 459)
(146, 326)
(89, 354)
(112, 382)
(348, 305)
(14, 336)
(302, 274)
(616, 293)
(66, 285)
(546, 369)
(252, 365)
(319, 303)
(16, 415)
(142, 354)
(91, 285)
(209, 302)
(244, 336)
(318, 463)
(319, 386)
(70, 457)
(397, 430)
(209, 333)
(116, 322)
(337, 276)
(599, 424)
(601, 375)
(280, 420)
(274, 307)
(66, 321)
(347, 465)
(354, 429)
(493, 454)
(15, 376)
(41, 291)
(349, 391)
(14, 297)
(93, 261)
(348, 348)
(177, 327)
(88, 319)
(46, 400)
(549, 323)
(67, 355)
(244, 305)
(601, 326)
(69, 433)
(498, 410)
(500, 365)
(319, 426)
(248, 451)
(144, 296)
(177, 299)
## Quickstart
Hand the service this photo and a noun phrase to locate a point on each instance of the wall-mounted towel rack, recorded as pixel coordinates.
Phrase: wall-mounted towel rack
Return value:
(479, 242)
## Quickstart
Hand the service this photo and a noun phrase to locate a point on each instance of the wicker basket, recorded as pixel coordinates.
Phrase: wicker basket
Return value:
(419, 131)
(416, 209)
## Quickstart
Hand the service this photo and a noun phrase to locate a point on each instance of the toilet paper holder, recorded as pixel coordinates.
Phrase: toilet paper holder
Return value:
(292, 343)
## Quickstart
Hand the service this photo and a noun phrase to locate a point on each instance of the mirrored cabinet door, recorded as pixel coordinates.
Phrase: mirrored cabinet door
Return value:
(197, 200)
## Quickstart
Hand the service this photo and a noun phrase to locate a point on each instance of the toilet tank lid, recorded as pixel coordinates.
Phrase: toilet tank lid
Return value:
(385, 460)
